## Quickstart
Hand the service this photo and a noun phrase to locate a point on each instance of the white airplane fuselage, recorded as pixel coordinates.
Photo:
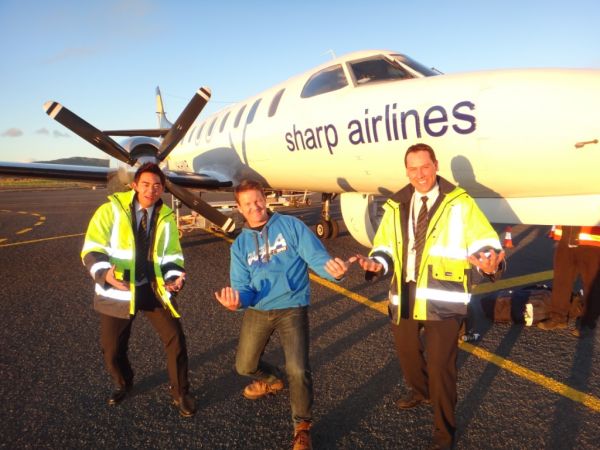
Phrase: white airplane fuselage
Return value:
(521, 142)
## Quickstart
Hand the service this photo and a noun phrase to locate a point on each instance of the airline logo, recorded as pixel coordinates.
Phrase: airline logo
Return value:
(389, 125)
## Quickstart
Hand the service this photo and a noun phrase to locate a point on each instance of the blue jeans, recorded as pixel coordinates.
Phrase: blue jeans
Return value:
(292, 326)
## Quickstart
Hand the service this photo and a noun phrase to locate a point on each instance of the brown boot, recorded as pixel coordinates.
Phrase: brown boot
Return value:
(552, 324)
(302, 437)
(258, 389)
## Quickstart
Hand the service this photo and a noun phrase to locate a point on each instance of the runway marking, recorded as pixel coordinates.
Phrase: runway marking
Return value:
(546, 382)
(34, 241)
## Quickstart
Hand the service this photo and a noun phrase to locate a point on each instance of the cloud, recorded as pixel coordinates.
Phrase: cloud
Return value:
(42, 131)
(58, 134)
(71, 53)
(13, 132)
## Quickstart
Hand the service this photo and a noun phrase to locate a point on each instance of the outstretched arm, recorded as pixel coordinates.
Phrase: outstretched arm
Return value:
(229, 298)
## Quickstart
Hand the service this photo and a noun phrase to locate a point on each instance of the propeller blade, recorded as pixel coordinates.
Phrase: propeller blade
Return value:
(194, 202)
(87, 131)
(184, 122)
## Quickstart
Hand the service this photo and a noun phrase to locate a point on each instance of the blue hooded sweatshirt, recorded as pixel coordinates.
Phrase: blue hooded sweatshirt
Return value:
(270, 267)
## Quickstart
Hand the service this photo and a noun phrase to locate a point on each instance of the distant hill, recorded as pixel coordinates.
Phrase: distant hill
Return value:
(79, 161)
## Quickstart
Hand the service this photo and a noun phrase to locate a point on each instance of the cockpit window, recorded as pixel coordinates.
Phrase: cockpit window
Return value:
(379, 69)
(327, 80)
(416, 66)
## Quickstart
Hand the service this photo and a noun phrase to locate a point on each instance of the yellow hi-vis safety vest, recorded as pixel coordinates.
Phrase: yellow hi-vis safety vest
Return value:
(457, 229)
(110, 240)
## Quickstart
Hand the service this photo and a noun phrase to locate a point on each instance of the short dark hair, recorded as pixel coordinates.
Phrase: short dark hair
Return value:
(247, 185)
(152, 168)
(420, 148)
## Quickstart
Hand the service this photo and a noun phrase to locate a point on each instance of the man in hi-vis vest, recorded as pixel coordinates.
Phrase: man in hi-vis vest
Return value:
(132, 252)
(430, 236)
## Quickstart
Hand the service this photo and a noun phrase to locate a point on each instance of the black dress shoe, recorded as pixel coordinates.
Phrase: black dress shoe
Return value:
(186, 405)
(117, 395)
(411, 400)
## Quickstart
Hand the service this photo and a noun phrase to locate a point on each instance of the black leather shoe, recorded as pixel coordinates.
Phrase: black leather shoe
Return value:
(117, 395)
(186, 405)
(411, 401)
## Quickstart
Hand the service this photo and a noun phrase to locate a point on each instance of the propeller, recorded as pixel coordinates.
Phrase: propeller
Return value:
(183, 122)
(194, 202)
(87, 131)
(102, 141)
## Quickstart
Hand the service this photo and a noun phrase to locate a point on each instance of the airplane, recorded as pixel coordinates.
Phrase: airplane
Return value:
(524, 143)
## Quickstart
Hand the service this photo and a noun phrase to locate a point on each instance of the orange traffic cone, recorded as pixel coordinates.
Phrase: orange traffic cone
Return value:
(508, 238)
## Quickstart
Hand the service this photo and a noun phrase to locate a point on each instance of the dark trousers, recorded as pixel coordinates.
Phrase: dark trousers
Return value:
(114, 340)
(569, 263)
(427, 351)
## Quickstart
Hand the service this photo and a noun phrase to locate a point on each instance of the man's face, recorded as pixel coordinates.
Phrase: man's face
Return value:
(421, 171)
(253, 206)
(148, 188)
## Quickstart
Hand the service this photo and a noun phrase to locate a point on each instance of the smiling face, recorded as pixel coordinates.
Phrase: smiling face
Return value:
(421, 170)
(149, 188)
(253, 206)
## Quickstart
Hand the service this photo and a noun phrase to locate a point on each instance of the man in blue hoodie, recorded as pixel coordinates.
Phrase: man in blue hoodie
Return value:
(269, 279)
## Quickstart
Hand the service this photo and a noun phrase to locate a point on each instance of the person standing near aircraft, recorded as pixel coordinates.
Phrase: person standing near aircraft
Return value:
(133, 253)
(269, 280)
(577, 253)
(430, 236)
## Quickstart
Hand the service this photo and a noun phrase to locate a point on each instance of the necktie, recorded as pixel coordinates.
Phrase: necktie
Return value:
(141, 247)
(420, 233)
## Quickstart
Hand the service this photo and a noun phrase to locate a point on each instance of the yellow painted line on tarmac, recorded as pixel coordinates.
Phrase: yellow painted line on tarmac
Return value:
(508, 283)
(560, 388)
(546, 382)
(35, 241)
(378, 306)
(24, 230)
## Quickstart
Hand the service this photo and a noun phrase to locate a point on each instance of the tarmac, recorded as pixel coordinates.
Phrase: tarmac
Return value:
(518, 387)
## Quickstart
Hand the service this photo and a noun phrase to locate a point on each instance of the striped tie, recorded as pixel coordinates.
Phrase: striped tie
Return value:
(141, 247)
(420, 233)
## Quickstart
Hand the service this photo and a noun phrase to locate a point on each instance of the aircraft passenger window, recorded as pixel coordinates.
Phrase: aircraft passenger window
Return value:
(191, 134)
(239, 116)
(373, 70)
(222, 127)
(275, 103)
(327, 80)
(252, 112)
(200, 130)
(212, 125)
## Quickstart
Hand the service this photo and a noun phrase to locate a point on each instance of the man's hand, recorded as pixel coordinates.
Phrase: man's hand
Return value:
(117, 284)
(229, 298)
(175, 285)
(368, 264)
(487, 262)
(337, 267)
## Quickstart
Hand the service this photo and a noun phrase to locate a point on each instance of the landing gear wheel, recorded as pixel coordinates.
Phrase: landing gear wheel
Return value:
(323, 229)
(335, 229)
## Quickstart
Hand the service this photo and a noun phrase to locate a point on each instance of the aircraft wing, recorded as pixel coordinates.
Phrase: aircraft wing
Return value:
(56, 171)
(196, 180)
(96, 174)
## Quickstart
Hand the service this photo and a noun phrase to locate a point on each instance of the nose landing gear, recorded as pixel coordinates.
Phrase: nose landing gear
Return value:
(327, 228)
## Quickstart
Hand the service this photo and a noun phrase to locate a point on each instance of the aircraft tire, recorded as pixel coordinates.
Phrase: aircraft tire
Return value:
(335, 229)
(323, 229)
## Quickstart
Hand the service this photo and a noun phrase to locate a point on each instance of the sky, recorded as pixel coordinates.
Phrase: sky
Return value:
(104, 59)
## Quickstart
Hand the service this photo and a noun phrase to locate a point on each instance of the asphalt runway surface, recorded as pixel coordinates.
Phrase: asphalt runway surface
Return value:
(519, 387)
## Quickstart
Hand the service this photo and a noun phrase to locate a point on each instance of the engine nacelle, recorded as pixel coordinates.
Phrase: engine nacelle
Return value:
(362, 214)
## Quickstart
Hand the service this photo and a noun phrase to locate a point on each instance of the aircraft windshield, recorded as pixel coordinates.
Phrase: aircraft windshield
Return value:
(377, 69)
(416, 66)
